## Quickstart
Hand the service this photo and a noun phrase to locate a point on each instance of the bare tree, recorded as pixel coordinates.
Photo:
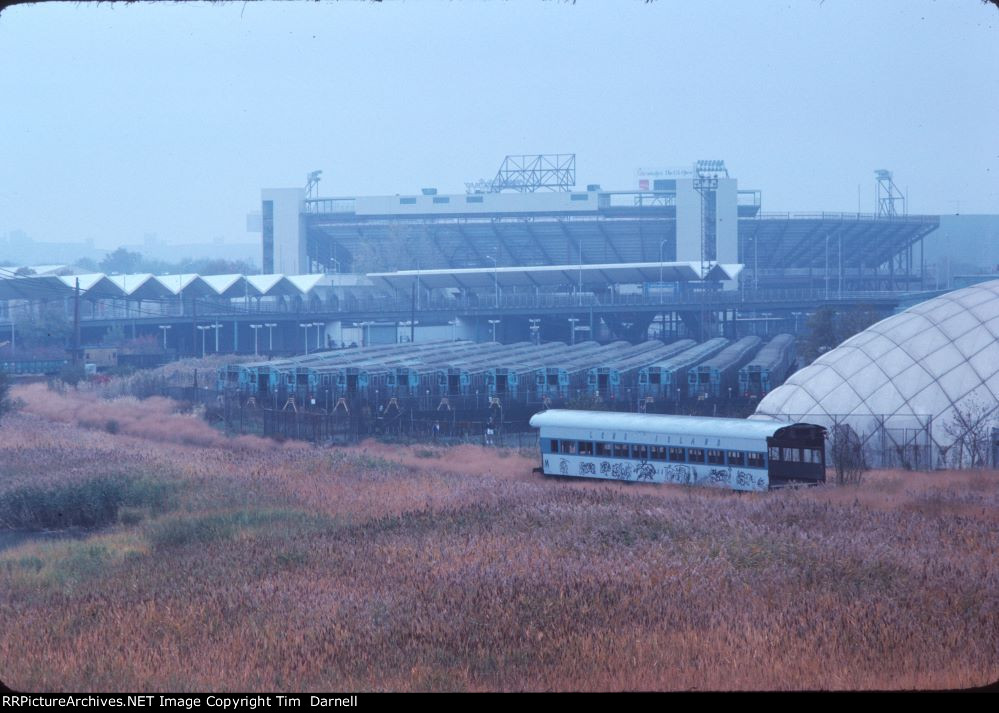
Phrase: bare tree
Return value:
(970, 427)
(846, 451)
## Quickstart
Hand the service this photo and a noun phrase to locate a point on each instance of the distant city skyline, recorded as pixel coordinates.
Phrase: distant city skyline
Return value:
(168, 118)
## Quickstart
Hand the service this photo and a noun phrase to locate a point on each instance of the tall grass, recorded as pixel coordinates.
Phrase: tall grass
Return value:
(379, 568)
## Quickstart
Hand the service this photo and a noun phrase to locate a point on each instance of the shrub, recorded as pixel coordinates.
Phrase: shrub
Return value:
(89, 503)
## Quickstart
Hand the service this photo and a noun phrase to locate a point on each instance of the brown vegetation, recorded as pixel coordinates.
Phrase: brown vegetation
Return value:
(264, 567)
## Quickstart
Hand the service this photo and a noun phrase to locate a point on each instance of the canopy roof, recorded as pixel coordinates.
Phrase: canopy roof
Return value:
(149, 287)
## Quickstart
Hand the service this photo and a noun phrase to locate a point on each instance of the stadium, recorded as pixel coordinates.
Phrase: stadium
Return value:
(532, 214)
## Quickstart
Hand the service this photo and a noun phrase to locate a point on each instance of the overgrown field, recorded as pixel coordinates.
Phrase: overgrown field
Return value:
(182, 561)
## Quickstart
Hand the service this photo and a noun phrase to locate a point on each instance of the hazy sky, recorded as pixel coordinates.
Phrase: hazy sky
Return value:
(121, 120)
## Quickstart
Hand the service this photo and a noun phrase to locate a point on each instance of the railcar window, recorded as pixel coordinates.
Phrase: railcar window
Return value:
(754, 460)
(568, 448)
(812, 455)
(736, 458)
(658, 452)
(774, 453)
(716, 457)
(791, 455)
(695, 455)
(603, 450)
(585, 448)
(552, 446)
(676, 455)
(620, 450)
(640, 452)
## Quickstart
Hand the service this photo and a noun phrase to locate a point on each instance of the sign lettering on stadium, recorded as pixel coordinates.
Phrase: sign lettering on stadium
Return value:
(663, 172)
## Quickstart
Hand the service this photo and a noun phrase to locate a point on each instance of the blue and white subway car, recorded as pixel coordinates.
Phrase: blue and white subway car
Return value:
(735, 453)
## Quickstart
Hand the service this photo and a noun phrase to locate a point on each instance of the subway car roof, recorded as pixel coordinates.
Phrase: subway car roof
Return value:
(656, 423)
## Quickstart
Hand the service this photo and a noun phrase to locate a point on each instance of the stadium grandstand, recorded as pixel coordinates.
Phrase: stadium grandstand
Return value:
(532, 214)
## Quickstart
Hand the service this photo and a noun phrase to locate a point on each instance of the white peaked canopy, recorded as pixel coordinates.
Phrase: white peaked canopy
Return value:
(933, 359)
(151, 287)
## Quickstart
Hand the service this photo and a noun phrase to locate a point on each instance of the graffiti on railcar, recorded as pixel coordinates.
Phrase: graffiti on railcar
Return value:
(718, 476)
(621, 471)
(677, 473)
(645, 471)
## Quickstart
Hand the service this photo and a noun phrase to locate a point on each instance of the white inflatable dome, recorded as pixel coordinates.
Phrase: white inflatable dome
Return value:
(926, 361)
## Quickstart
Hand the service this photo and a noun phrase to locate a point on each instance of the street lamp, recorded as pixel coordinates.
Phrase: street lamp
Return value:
(217, 326)
(203, 328)
(164, 327)
(318, 326)
(255, 327)
(494, 322)
(827, 266)
(270, 335)
(572, 328)
(306, 326)
(662, 244)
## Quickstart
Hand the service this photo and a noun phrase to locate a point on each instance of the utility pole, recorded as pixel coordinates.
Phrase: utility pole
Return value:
(76, 323)
(194, 327)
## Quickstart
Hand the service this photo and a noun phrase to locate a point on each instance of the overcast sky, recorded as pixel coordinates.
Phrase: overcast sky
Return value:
(121, 120)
